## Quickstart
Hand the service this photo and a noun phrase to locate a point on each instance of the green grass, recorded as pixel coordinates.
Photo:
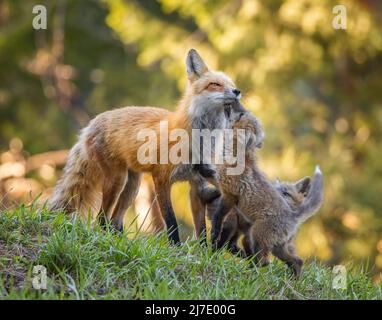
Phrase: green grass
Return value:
(84, 261)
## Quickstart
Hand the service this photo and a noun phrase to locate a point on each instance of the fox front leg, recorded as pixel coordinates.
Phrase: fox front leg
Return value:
(229, 232)
(163, 192)
(198, 210)
(201, 194)
(223, 208)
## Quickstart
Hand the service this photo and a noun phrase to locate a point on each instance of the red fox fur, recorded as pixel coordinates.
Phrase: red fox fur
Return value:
(103, 173)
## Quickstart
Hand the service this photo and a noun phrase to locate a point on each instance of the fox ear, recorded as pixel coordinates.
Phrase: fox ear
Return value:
(303, 185)
(195, 65)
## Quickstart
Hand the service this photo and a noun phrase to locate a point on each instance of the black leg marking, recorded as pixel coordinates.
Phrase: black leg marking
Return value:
(224, 237)
(217, 220)
(172, 225)
(203, 238)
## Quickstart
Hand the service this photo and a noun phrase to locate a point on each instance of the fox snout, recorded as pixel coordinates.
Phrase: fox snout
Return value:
(236, 92)
(231, 95)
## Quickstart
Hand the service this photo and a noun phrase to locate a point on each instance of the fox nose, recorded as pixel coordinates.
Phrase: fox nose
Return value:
(236, 92)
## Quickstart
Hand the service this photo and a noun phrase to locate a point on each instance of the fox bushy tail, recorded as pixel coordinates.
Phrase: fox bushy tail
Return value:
(76, 190)
(315, 197)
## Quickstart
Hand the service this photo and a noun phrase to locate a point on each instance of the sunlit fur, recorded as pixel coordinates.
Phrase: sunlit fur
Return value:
(205, 98)
(103, 172)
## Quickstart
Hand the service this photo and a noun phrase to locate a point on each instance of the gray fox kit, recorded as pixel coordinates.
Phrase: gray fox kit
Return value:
(203, 197)
(235, 223)
(273, 221)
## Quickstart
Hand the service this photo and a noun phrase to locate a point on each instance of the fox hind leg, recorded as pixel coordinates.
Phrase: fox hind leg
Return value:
(292, 260)
(113, 172)
(247, 245)
(125, 199)
(255, 247)
(111, 189)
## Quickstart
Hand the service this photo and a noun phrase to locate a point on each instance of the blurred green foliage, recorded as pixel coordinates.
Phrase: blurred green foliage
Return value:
(317, 90)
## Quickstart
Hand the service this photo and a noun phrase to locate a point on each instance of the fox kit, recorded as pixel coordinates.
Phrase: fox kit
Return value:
(273, 220)
(205, 198)
(103, 172)
(235, 224)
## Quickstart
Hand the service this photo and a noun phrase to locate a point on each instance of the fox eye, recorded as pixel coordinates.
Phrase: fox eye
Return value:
(286, 194)
(215, 84)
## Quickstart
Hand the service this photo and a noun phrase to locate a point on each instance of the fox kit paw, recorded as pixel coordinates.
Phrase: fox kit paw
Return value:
(206, 171)
(209, 194)
(297, 267)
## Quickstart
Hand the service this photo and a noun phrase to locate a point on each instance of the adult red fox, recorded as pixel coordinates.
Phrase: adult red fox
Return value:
(105, 158)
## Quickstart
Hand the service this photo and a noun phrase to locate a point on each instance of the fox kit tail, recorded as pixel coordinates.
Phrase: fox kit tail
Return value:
(76, 190)
(313, 200)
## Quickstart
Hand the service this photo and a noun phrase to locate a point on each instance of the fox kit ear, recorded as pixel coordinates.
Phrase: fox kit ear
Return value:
(303, 185)
(195, 65)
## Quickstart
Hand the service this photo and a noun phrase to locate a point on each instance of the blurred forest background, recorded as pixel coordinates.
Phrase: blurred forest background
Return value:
(317, 90)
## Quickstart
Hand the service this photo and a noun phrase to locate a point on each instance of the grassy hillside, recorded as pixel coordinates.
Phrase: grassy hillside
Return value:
(86, 262)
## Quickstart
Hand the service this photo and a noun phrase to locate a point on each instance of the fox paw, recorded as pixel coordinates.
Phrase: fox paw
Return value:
(205, 170)
(209, 194)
